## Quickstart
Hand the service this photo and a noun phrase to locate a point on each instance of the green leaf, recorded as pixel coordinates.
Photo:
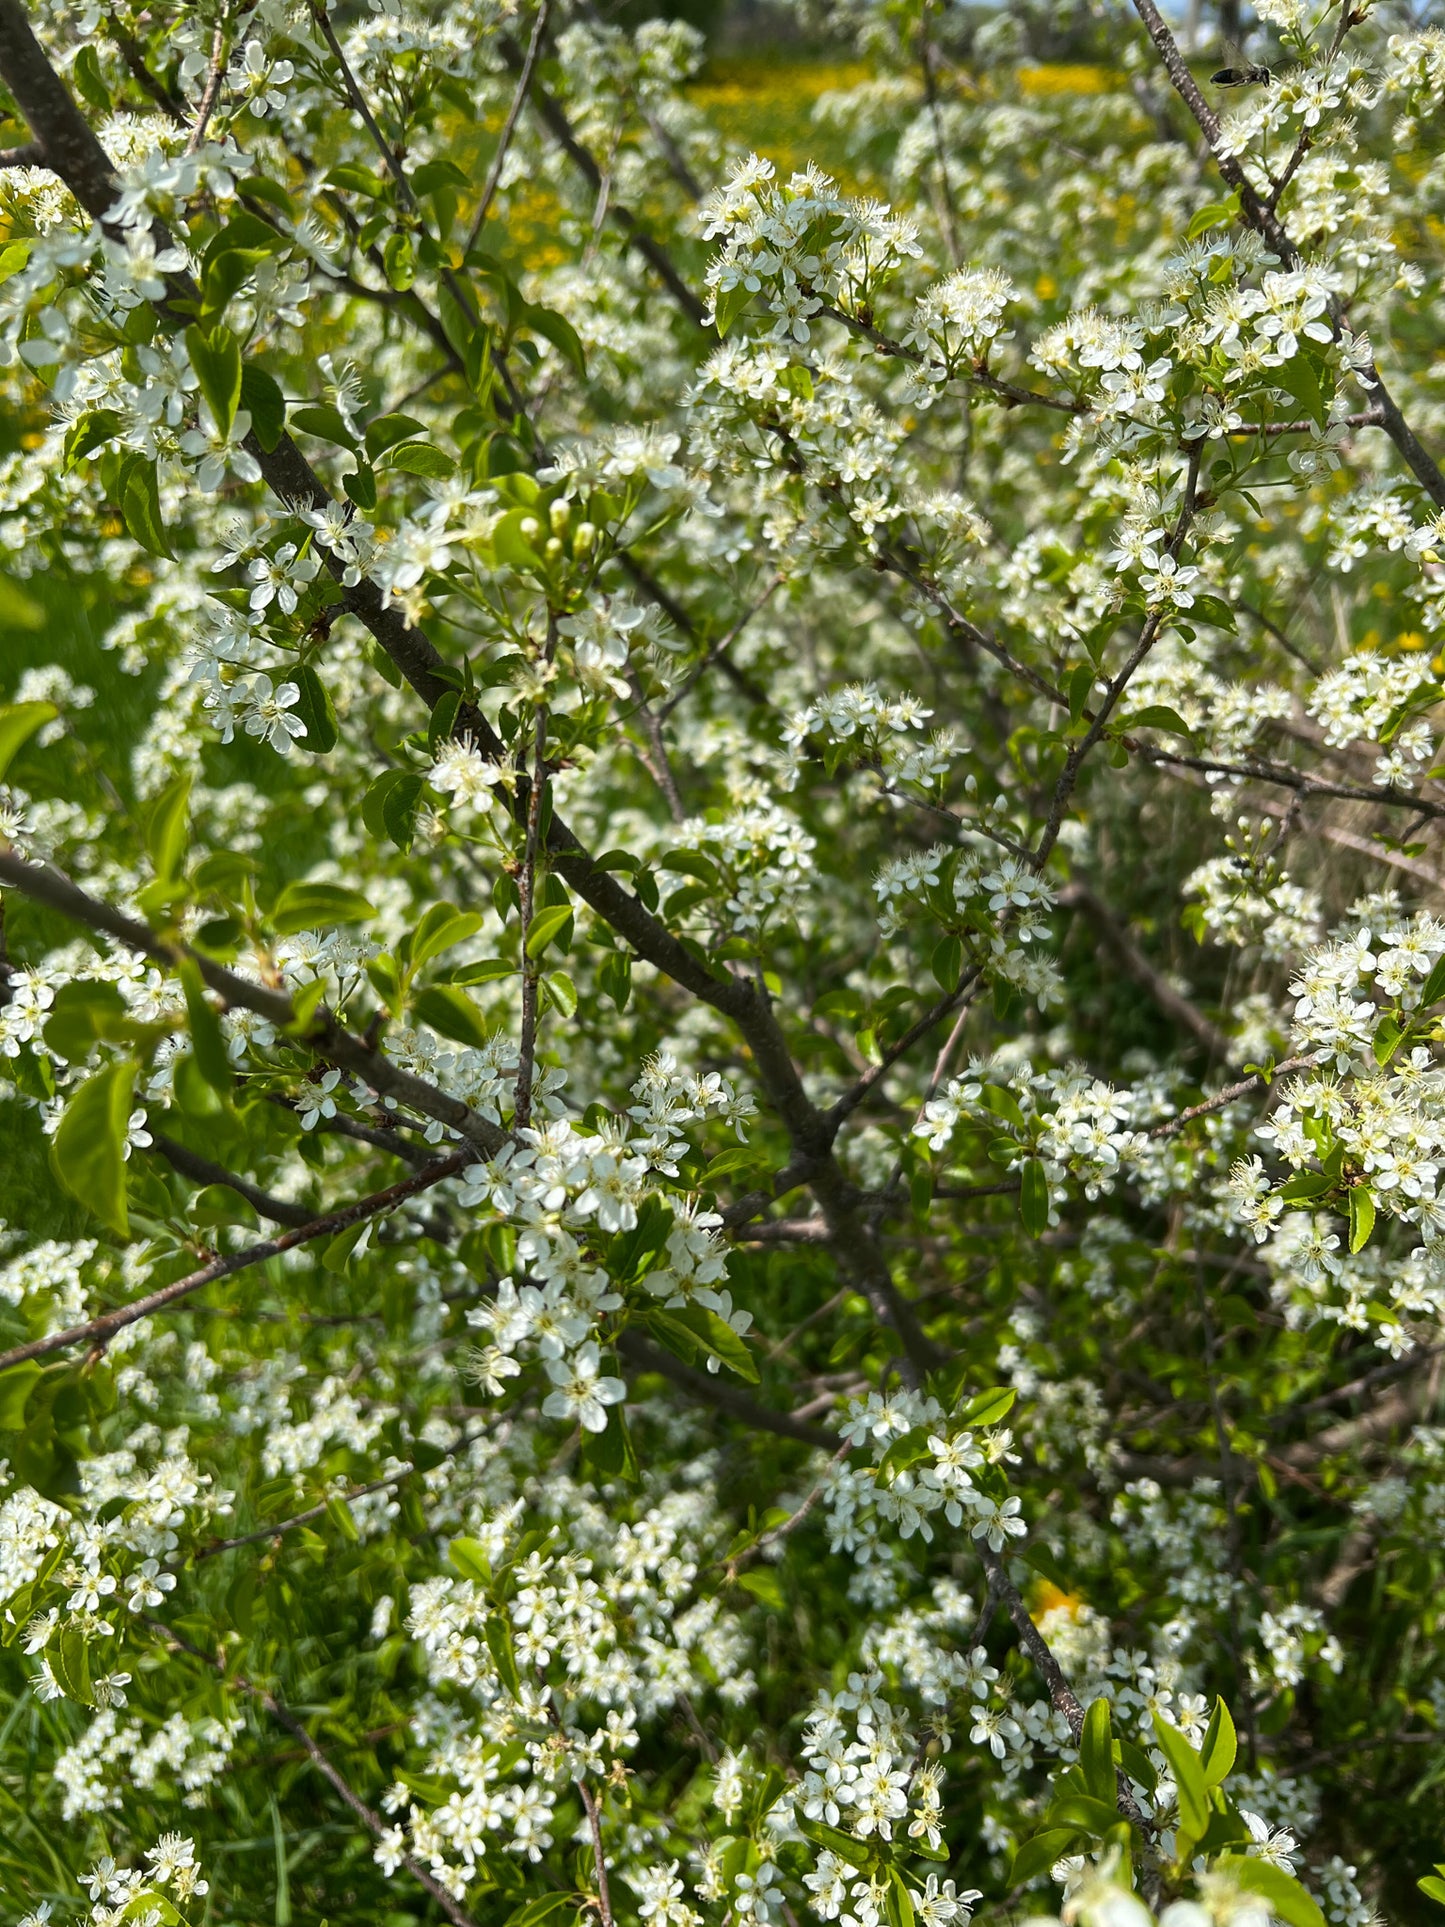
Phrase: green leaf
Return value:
(89, 1148)
(1286, 1897)
(419, 458)
(1217, 1754)
(360, 487)
(18, 723)
(387, 430)
(1298, 377)
(609, 1454)
(729, 304)
(140, 505)
(1084, 1811)
(89, 432)
(946, 962)
(1433, 988)
(487, 971)
(441, 928)
(344, 1519)
(856, 1852)
(764, 1585)
(1079, 688)
(69, 1657)
(614, 977)
(84, 1011)
(216, 358)
(545, 926)
(168, 827)
(443, 721)
(563, 993)
(13, 256)
(1138, 1765)
(533, 1912)
(357, 180)
(469, 1556)
(90, 81)
(1096, 1753)
(389, 807)
(1362, 1216)
(499, 1644)
(899, 1903)
(1389, 1032)
(15, 1388)
(1158, 716)
(903, 1453)
(1194, 1806)
(1036, 1856)
(1001, 1103)
(1306, 1185)
(557, 329)
(727, 1164)
(1433, 1887)
(326, 423)
(314, 707)
(1034, 1197)
(1216, 214)
(263, 401)
(336, 1258)
(399, 260)
(208, 1043)
(317, 906)
(693, 1333)
(451, 1011)
(988, 1408)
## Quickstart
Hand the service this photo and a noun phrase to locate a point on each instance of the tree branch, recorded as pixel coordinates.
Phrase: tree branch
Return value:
(1078, 896)
(99, 1331)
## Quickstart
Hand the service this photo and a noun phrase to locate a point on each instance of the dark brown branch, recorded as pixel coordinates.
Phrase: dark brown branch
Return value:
(623, 218)
(1266, 223)
(1078, 896)
(509, 126)
(283, 1716)
(45, 884)
(99, 1331)
(1231, 1095)
(715, 1391)
(1282, 777)
(192, 1165)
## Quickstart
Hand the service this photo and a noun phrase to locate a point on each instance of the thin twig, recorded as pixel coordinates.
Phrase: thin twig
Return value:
(99, 1331)
(509, 127)
(599, 1861)
(283, 1716)
(212, 94)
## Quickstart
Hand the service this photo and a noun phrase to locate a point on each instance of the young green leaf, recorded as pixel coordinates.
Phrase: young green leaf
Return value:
(18, 723)
(1096, 1752)
(140, 505)
(546, 926)
(1287, 1898)
(1194, 1806)
(90, 1144)
(1034, 1197)
(216, 359)
(168, 827)
(1217, 1754)
(317, 906)
(208, 1043)
(314, 707)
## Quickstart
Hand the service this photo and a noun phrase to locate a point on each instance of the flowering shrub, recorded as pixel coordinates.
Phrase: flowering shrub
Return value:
(722, 1010)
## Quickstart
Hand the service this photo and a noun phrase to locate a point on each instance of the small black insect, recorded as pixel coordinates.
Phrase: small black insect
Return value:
(1240, 72)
